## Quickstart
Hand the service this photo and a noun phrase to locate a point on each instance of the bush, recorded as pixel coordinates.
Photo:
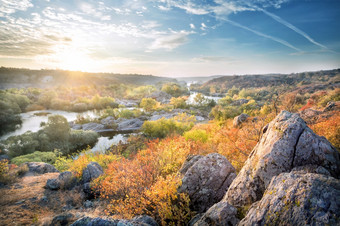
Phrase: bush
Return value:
(196, 135)
(164, 127)
(179, 102)
(37, 156)
(149, 104)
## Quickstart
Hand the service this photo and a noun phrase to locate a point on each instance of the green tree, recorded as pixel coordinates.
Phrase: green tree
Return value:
(149, 104)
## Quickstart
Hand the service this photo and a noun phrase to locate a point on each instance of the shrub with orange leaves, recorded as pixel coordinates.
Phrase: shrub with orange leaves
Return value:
(148, 182)
(329, 128)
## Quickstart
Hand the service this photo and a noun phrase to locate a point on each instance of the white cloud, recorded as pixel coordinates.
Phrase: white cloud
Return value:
(192, 26)
(203, 27)
(170, 41)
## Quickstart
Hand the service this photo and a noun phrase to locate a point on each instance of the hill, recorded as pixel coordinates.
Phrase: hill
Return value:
(223, 84)
(23, 78)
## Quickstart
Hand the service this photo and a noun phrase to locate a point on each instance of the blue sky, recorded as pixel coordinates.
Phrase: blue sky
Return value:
(171, 37)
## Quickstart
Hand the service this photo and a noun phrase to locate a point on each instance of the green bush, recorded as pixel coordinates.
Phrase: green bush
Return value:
(196, 135)
(164, 127)
(37, 156)
(149, 104)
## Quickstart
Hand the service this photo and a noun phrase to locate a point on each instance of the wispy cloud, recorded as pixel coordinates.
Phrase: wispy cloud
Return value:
(206, 59)
(192, 26)
(170, 41)
(203, 26)
(278, 40)
(291, 26)
(12, 6)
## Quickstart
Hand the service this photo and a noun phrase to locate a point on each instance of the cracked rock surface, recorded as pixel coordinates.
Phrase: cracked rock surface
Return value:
(297, 198)
(287, 143)
(207, 180)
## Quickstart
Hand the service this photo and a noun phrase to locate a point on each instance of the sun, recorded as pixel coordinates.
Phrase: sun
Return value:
(74, 60)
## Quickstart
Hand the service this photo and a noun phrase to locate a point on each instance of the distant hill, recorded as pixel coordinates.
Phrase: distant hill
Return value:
(22, 78)
(223, 84)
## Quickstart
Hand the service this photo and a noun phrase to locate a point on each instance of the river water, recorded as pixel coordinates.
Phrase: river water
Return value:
(31, 122)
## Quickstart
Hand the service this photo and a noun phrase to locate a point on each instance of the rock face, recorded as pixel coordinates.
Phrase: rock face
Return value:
(40, 168)
(238, 120)
(297, 199)
(207, 180)
(136, 221)
(286, 144)
(221, 213)
(92, 171)
(161, 97)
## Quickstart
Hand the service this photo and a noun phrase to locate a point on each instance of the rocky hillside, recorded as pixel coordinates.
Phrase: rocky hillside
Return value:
(290, 178)
(223, 84)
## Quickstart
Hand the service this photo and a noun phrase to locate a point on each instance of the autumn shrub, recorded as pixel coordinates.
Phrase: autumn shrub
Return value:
(7, 173)
(149, 104)
(164, 127)
(147, 183)
(329, 128)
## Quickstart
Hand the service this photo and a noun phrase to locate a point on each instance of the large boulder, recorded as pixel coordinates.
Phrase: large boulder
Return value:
(238, 120)
(62, 219)
(286, 143)
(297, 198)
(40, 168)
(207, 180)
(92, 171)
(161, 97)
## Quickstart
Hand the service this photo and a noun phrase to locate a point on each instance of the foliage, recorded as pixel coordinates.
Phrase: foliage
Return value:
(149, 104)
(121, 113)
(224, 113)
(164, 127)
(57, 128)
(147, 184)
(329, 128)
(37, 156)
(179, 102)
(196, 135)
(78, 163)
(174, 89)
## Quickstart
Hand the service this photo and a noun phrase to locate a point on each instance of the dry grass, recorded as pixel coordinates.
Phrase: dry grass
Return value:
(20, 203)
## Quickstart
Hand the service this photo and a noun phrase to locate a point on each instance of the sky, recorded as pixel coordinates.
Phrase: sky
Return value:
(173, 38)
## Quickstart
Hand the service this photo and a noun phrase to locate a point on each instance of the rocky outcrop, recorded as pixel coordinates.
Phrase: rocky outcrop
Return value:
(92, 171)
(129, 124)
(207, 180)
(65, 180)
(238, 120)
(332, 105)
(161, 97)
(97, 127)
(286, 144)
(136, 221)
(40, 168)
(189, 162)
(297, 198)
(221, 213)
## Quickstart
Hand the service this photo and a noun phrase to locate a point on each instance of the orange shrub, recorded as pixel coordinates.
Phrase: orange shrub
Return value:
(329, 128)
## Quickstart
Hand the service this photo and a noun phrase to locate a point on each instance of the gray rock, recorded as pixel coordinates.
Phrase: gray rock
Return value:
(108, 121)
(196, 218)
(161, 97)
(97, 127)
(332, 106)
(2, 157)
(88, 204)
(144, 219)
(286, 144)
(297, 199)
(40, 168)
(129, 124)
(221, 214)
(92, 171)
(87, 221)
(189, 162)
(52, 184)
(158, 116)
(77, 126)
(65, 180)
(199, 118)
(238, 120)
(207, 180)
(63, 219)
